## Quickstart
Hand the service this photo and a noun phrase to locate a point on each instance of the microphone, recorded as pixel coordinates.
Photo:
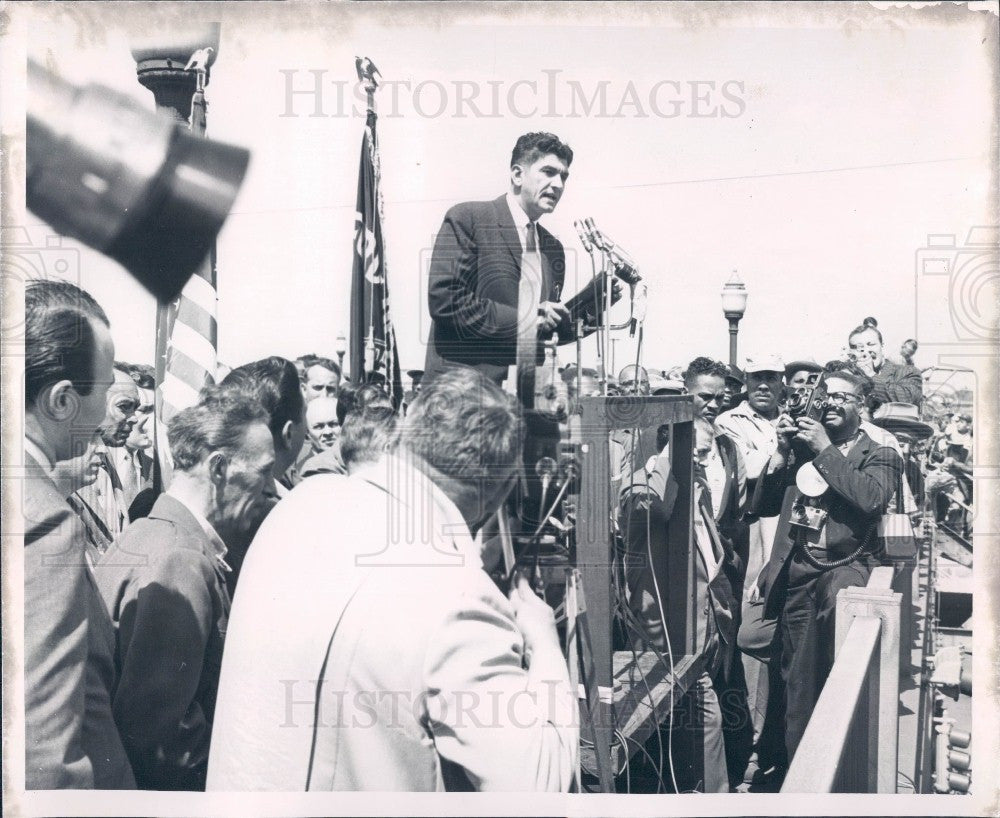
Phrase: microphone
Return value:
(568, 466)
(545, 468)
(625, 267)
(594, 234)
(584, 238)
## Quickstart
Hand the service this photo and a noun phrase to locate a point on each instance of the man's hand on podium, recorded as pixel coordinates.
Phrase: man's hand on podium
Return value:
(550, 316)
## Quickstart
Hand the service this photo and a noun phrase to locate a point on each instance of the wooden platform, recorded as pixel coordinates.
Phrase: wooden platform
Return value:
(641, 699)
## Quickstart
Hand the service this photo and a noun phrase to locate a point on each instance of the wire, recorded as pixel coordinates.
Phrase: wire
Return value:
(659, 602)
(669, 665)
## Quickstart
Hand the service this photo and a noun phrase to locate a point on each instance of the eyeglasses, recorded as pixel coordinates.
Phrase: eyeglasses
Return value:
(840, 398)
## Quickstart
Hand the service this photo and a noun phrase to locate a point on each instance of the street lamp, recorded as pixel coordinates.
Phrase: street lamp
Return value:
(341, 350)
(734, 305)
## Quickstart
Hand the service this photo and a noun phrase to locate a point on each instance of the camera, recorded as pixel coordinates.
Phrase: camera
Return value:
(808, 401)
(806, 517)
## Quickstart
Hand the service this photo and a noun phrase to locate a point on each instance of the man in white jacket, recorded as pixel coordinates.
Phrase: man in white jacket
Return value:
(367, 647)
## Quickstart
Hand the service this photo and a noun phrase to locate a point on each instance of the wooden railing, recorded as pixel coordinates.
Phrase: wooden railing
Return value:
(851, 741)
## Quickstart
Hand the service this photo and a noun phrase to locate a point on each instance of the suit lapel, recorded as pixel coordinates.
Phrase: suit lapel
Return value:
(859, 451)
(511, 237)
(508, 230)
(545, 243)
(728, 485)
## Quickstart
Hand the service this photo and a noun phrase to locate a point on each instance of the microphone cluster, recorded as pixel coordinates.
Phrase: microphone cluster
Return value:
(622, 263)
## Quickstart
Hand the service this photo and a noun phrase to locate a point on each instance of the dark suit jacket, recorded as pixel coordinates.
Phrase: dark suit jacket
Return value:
(898, 382)
(167, 594)
(732, 528)
(862, 483)
(473, 288)
(646, 506)
(70, 736)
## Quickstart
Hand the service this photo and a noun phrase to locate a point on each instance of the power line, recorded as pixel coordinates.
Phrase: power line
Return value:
(667, 183)
(790, 173)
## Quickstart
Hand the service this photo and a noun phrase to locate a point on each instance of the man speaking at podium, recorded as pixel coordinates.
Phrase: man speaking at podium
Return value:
(494, 268)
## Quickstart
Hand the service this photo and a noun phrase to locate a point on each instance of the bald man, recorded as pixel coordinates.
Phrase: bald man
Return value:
(322, 423)
(108, 498)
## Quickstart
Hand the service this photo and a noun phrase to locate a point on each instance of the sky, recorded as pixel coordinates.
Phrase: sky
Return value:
(813, 152)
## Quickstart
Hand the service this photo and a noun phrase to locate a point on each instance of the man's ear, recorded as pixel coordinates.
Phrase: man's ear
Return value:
(59, 402)
(516, 174)
(218, 467)
(286, 434)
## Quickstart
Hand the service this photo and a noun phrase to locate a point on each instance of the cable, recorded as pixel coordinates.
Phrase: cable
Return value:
(826, 565)
(638, 628)
(671, 666)
(659, 602)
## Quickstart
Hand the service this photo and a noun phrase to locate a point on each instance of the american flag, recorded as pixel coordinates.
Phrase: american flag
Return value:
(374, 355)
(186, 332)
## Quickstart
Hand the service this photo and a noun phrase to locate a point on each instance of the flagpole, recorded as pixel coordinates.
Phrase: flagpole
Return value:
(373, 339)
(366, 75)
(163, 66)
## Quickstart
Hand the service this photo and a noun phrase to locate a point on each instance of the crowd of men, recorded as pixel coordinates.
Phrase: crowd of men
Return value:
(307, 602)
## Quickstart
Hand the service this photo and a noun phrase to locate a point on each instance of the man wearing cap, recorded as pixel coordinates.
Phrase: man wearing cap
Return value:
(950, 483)
(802, 373)
(734, 388)
(751, 426)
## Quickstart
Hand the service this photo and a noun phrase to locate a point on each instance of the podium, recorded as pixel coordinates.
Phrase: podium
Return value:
(636, 690)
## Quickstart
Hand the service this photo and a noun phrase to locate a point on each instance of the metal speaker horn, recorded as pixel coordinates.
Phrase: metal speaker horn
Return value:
(131, 183)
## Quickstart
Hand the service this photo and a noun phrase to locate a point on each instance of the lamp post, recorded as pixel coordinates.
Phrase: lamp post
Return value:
(734, 305)
(341, 350)
(161, 58)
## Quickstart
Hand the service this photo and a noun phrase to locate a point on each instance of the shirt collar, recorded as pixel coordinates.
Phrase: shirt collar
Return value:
(747, 411)
(219, 549)
(38, 454)
(521, 218)
(445, 521)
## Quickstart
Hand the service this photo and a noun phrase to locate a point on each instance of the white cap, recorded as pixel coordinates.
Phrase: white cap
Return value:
(765, 363)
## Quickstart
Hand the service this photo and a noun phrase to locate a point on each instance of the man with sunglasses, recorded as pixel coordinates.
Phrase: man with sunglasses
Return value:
(834, 467)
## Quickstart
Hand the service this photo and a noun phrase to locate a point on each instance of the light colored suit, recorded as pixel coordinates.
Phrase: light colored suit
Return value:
(70, 736)
(366, 594)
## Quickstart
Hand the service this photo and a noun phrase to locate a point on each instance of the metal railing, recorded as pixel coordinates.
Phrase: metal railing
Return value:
(851, 741)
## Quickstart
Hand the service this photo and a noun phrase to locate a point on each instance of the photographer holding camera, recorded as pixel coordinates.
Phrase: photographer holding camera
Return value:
(832, 483)
(890, 381)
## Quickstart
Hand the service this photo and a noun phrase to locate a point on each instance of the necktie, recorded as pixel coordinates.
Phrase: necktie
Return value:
(528, 297)
(126, 469)
(706, 533)
(112, 499)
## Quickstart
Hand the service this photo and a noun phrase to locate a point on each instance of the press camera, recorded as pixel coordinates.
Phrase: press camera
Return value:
(808, 401)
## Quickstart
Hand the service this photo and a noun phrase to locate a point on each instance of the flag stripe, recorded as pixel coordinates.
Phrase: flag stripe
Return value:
(195, 317)
(192, 373)
(201, 291)
(177, 393)
(194, 345)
